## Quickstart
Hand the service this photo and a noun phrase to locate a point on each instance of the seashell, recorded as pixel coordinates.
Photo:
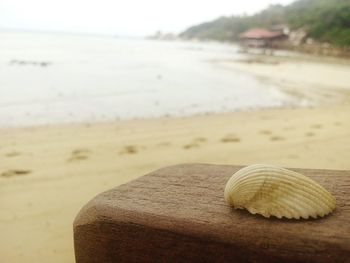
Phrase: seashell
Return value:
(274, 191)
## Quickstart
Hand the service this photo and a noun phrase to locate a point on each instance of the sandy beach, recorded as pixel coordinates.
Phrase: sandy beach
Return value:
(49, 172)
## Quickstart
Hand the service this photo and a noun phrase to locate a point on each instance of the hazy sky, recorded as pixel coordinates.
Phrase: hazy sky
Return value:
(127, 17)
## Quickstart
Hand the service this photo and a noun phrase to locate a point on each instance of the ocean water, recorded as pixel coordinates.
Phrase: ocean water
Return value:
(54, 78)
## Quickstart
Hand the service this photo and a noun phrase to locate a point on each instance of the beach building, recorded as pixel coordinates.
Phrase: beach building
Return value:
(261, 37)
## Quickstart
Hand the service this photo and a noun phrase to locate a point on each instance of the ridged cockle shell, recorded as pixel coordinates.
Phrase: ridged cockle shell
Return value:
(274, 191)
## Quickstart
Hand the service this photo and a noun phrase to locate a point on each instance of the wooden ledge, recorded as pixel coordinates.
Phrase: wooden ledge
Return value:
(178, 214)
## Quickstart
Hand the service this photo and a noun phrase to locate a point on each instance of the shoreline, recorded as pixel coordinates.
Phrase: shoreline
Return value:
(288, 76)
(186, 80)
(308, 81)
(155, 118)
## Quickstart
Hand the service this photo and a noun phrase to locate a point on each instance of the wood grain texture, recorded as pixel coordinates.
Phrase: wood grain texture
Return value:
(178, 214)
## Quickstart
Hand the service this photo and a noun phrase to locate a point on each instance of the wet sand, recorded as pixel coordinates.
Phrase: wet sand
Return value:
(48, 173)
(310, 80)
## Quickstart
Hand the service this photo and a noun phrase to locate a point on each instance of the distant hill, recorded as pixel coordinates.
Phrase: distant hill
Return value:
(324, 20)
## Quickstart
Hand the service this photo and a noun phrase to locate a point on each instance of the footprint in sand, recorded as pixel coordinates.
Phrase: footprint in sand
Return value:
(129, 149)
(12, 154)
(79, 155)
(309, 134)
(266, 132)
(316, 126)
(190, 146)
(276, 138)
(15, 172)
(196, 142)
(230, 138)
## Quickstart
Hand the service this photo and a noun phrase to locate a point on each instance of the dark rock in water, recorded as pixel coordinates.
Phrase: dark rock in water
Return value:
(33, 63)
